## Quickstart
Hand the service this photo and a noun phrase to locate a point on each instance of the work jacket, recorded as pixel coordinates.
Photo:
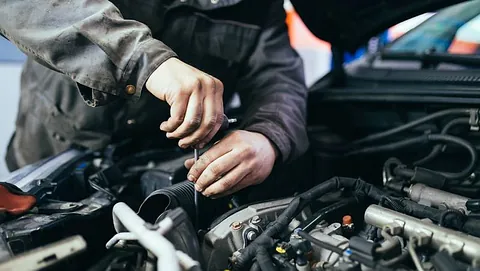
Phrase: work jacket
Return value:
(88, 61)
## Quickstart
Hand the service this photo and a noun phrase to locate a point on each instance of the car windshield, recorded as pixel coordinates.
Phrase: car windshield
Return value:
(453, 30)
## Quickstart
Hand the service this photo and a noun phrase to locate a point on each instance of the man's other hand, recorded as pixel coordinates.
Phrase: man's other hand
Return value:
(195, 98)
(239, 160)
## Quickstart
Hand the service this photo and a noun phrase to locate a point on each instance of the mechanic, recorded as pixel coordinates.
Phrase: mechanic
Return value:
(100, 71)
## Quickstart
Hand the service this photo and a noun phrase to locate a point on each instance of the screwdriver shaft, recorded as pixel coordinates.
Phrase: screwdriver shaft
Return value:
(196, 195)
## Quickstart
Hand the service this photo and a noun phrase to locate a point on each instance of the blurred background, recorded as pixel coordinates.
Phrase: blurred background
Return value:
(315, 53)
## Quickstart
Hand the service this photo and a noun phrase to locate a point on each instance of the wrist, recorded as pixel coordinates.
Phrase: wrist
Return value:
(270, 144)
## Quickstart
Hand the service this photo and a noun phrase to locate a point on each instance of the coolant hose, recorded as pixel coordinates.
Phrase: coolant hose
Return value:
(177, 195)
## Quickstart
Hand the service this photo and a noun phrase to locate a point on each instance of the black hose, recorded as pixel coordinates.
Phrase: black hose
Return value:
(445, 213)
(283, 262)
(255, 267)
(394, 205)
(264, 260)
(437, 149)
(472, 226)
(243, 260)
(320, 243)
(409, 173)
(177, 195)
(393, 261)
(413, 124)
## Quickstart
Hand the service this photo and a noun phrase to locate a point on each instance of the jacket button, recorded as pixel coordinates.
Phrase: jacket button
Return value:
(130, 89)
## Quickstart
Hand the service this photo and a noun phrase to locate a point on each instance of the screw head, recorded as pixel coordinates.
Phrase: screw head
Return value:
(251, 235)
(236, 225)
(256, 219)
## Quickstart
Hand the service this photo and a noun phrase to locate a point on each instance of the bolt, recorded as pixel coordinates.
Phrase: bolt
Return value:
(236, 225)
(251, 235)
(256, 219)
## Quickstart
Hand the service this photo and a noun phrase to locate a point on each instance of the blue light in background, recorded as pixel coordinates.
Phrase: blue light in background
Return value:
(10, 53)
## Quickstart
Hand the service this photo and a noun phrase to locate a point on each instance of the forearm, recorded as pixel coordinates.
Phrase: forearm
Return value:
(280, 116)
(273, 88)
(88, 40)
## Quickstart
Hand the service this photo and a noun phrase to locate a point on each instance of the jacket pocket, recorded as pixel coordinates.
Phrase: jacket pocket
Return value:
(45, 111)
(227, 40)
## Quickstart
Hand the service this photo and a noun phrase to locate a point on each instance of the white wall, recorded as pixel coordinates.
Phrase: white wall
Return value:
(10, 84)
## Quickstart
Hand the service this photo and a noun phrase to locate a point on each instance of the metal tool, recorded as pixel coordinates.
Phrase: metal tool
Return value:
(197, 196)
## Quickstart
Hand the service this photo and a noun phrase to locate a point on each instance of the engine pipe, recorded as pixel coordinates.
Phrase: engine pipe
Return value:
(468, 246)
(437, 198)
(150, 239)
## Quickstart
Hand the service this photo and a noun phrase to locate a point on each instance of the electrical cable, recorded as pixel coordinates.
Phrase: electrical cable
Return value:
(395, 260)
(409, 173)
(437, 149)
(413, 124)
(393, 204)
(101, 189)
(389, 244)
(320, 215)
(244, 258)
(320, 243)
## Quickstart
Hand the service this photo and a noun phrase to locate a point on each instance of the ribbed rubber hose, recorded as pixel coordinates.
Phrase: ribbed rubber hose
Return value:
(177, 195)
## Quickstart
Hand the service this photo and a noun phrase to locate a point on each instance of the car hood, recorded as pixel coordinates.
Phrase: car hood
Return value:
(348, 24)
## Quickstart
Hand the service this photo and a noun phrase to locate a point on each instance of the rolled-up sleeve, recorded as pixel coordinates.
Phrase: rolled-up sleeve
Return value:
(89, 41)
(273, 89)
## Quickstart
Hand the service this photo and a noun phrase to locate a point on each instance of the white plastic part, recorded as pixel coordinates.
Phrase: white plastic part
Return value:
(150, 239)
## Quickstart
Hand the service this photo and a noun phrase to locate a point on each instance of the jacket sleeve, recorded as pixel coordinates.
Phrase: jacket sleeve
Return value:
(87, 40)
(273, 89)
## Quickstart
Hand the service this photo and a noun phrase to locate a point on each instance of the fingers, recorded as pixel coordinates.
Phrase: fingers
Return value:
(189, 163)
(177, 113)
(206, 159)
(212, 116)
(227, 182)
(193, 118)
(243, 183)
(216, 170)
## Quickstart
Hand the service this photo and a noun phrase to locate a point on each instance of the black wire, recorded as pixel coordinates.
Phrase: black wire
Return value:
(412, 124)
(437, 149)
(402, 257)
(425, 139)
(396, 206)
(101, 189)
(320, 243)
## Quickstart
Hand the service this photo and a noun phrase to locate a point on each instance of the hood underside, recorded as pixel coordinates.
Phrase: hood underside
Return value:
(348, 24)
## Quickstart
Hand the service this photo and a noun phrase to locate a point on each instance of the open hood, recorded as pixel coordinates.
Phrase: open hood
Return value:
(348, 24)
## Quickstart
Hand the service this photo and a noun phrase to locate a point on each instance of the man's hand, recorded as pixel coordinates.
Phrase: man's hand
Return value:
(195, 98)
(239, 160)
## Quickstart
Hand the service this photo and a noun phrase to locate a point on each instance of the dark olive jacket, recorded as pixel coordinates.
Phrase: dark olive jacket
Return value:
(84, 80)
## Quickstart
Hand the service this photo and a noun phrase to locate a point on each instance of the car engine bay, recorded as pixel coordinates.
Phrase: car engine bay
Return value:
(391, 188)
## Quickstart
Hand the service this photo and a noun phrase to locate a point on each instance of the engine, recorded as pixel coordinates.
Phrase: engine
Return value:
(414, 236)
(415, 215)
